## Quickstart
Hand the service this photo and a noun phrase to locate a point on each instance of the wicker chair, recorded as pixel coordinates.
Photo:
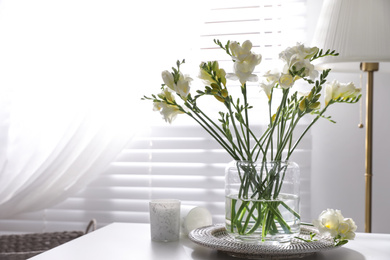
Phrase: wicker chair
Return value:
(21, 247)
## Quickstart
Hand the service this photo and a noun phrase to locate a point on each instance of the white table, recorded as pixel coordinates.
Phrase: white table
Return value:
(132, 241)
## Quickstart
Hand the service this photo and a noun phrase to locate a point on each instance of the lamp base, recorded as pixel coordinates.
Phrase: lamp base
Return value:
(369, 67)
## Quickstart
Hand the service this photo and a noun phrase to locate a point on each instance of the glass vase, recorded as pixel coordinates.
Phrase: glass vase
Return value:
(262, 201)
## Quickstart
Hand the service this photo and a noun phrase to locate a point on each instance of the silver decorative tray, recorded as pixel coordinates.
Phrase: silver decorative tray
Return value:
(216, 237)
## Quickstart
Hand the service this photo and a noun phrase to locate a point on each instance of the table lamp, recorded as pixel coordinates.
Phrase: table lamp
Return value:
(360, 31)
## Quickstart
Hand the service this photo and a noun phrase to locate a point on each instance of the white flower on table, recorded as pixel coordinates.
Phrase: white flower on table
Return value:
(332, 223)
(347, 229)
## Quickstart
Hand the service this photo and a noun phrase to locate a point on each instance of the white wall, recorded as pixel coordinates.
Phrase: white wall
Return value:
(339, 152)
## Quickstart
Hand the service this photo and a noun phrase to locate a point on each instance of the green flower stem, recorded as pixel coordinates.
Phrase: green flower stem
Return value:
(291, 210)
(286, 140)
(285, 135)
(267, 215)
(307, 129)
(220, 140)
(295, 113)
(270, 122)
(307, 224)
(273, 125)
(266, 136)
(238, 136)
(266, 223)
(258, 222)
(280, 133)
(279, 183)
(255, 207)
(235, 148)
(258, 144)
(246, 142)
(278, 216)
(248, 180)
(210, 130)
(237, 218)
(262, 190)
(232, 214)
(264, 187)
(244, 93)
(240, 216)
(249, 217)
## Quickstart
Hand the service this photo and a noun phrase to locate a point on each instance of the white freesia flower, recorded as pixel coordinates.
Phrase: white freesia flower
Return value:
(298, 64)
(347, 229)
(169, 112)
(207, 79)
(204, 76)
(181, 87)
(299, 57)
(336, 90)
(270, 80)
(242, 52)
(328, 222)
(167, 108)
(244, 62)
(272, 77)
(267, 88)
(299, 52)
(168, 79)
(243, 70)
(168, 95)
(286, 81)
(331, 222)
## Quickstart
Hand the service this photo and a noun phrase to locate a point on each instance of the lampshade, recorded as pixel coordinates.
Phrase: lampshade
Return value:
(357, 29)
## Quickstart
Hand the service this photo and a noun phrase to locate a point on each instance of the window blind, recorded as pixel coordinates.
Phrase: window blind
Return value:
(271, 25)
(180, 160)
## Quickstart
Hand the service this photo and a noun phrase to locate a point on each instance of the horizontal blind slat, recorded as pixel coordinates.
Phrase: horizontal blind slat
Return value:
(205, 182)
(206, 156)
(141, 168)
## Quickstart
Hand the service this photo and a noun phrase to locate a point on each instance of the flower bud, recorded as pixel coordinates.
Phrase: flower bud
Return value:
(286, 81)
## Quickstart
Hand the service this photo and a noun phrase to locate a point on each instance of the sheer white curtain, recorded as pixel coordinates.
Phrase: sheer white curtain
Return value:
(66, 96)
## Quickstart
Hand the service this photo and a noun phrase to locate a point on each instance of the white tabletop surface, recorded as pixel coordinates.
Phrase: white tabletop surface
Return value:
(132, 241)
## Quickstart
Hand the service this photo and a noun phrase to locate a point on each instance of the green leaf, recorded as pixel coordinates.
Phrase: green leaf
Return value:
(341, 242)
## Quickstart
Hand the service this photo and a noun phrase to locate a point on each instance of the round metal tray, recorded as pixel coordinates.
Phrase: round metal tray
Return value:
(216, 237)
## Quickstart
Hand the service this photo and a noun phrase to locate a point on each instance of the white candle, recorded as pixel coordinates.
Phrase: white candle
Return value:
(164, 220)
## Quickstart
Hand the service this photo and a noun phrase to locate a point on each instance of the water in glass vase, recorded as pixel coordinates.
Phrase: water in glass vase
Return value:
(263, 221)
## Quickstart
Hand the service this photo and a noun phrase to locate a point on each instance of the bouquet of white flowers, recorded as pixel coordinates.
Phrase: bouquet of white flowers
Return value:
(233, 129)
